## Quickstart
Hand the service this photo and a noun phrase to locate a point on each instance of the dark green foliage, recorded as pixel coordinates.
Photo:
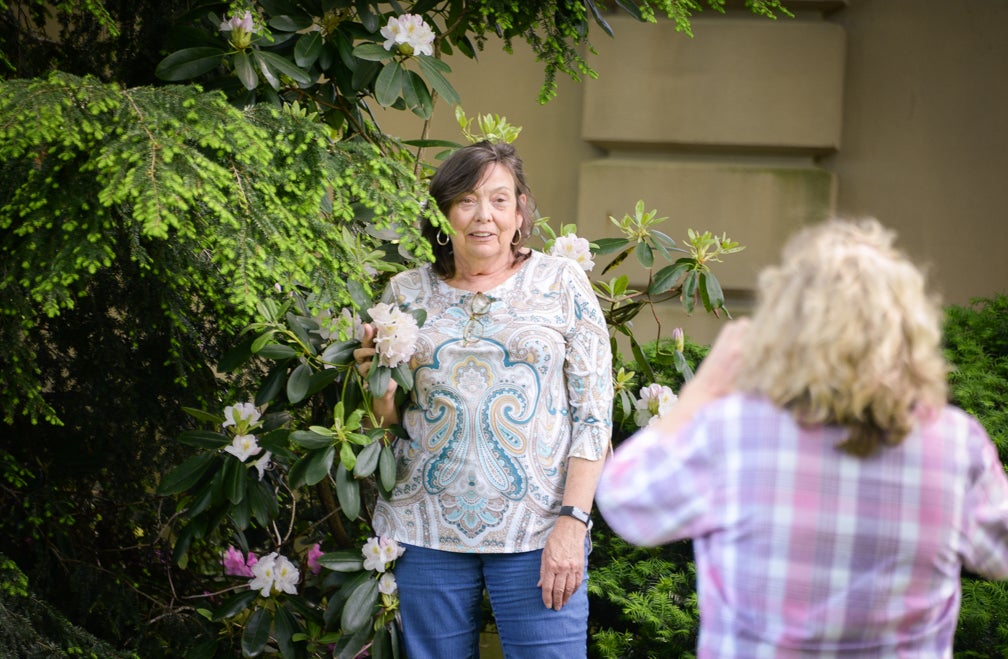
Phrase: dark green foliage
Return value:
(33, 629)
(976, 344)
(643, 600)
(976, 341)
(118, 40)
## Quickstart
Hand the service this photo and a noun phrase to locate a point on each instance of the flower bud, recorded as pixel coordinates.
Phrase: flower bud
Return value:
(679, 338)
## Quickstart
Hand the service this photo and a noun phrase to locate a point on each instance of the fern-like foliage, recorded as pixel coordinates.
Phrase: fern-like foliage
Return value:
(976, 344)
(214, 203)
(643, 600)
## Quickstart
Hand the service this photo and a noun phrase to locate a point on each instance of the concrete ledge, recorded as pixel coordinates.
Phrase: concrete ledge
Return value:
(776, 86)
(757, 205)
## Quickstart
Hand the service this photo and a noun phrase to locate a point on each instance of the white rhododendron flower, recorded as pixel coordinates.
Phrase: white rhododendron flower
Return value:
(575, 248)
(395, 334)
(262, 464)
(262, 575)
(379, 553)
(274, 573)
(243, 447)
(387, 584)
(655, 400)
(285, 576)
(233, 414)
(408, 34)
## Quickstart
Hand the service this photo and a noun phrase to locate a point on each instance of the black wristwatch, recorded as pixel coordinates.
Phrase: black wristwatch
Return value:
(576, 513)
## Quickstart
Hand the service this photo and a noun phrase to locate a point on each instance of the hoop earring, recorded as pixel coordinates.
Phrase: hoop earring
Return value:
(439, 236)
(516, 238)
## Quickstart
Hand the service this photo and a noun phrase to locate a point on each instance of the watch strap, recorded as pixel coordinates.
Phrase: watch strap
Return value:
(576, 513)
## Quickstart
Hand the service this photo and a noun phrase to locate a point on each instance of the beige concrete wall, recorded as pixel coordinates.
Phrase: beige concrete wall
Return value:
(893, 108)
(925, 143)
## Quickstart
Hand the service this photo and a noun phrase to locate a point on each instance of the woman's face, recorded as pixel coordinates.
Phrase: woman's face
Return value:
(486, 218)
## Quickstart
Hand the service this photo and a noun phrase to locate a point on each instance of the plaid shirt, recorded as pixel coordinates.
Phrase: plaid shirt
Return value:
(804, 550)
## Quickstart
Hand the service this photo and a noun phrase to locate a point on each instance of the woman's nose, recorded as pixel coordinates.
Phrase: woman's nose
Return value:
(484, 211)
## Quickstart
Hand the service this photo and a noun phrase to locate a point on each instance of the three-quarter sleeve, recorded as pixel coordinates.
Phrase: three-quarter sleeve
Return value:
(587, 368)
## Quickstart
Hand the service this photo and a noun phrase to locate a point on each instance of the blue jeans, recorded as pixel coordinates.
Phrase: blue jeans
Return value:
(441, 594)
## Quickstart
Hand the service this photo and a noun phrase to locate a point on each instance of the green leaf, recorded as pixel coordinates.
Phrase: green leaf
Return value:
(235, 604)
(433, 70)
(348, 459)
(256, 633)
(348, 493)
(642, 363)
(187, 474)
(245, 71)
(599, 19)
(373, 52)
(340, 352)
(616, 261)
(403, 375)
(689, 290)
(284, 628)
(312, 468)
(262, 501)
(378, 379)
(367, 460)
(417, 96)
(347, 560)
(299, 382)
(666, 278)
(234, 479)
(714, 296)
(387, 468)
(292, 23)
(236, 356)
(381, 647)
(322, 379)
(294, 322)
(272, 385)
(204, 438)
(389, 85)
(277, 351)
(631, 8)
(360, 606)
(203, 415)
(682, 366)
(284, 66)
(310, 440)
(644, 254)
(189, 63)
(609, 245)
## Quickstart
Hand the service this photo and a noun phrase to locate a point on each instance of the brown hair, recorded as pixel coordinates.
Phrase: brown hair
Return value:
(460, 173)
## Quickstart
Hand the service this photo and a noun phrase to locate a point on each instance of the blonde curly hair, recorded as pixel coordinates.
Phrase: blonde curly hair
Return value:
(845, 333)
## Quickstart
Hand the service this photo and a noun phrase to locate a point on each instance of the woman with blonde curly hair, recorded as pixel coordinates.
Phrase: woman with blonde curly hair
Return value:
(832, 495)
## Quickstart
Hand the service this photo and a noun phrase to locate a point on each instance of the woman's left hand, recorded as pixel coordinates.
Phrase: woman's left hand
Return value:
(563, 562)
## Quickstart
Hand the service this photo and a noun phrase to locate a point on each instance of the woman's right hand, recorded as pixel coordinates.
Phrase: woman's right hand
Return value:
(383, 407)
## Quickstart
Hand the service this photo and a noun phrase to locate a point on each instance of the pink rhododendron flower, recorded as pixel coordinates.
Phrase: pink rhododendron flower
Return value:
(313, 556)
(237, 565)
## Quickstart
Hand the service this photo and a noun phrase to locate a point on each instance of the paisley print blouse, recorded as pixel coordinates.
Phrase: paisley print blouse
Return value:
(508, 384)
